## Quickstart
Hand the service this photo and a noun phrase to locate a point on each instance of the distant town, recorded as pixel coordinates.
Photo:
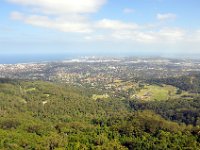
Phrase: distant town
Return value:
(88, 69)
(104, 73)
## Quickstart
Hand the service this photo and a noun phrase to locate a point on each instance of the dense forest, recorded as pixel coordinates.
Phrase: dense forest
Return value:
(42, 115)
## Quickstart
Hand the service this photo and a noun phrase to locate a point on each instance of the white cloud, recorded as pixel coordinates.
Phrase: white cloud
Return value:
(62, 15)
(115, 25)
(167, 16)
(172, 34)
(61, 6)
(194, 36)
(128, 10)
(60, 24)
(95, 37)
(135, 36)
(164, 35)
(73, 16)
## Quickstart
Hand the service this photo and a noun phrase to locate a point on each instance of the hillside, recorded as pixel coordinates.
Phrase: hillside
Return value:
(45, 115)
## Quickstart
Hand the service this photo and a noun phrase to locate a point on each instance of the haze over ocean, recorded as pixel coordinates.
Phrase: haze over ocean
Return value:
(29, 58)
(38, 58)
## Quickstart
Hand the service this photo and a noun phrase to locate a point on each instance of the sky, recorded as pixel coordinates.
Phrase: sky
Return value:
(159, 27)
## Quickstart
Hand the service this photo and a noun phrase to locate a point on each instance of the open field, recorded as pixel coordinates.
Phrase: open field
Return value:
(155, 92)
(104, 96)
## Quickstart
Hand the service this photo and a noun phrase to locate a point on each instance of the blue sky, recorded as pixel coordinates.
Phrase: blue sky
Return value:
(100, 26)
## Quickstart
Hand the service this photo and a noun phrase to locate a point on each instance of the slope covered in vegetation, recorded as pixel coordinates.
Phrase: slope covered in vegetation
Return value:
(44, 115)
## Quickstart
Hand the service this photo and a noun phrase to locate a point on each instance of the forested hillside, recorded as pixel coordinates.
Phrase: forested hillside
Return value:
(43, 115)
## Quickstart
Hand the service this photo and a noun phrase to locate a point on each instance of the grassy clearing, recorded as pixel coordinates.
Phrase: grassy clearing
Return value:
(104, 96)
(46, 95)
(30, 89)
(155, 92)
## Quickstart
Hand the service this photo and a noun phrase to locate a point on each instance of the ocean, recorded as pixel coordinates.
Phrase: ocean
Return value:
(29, 58)
(38, 58)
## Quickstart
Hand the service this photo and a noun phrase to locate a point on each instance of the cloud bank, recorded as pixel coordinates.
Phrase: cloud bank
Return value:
(74, 16)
